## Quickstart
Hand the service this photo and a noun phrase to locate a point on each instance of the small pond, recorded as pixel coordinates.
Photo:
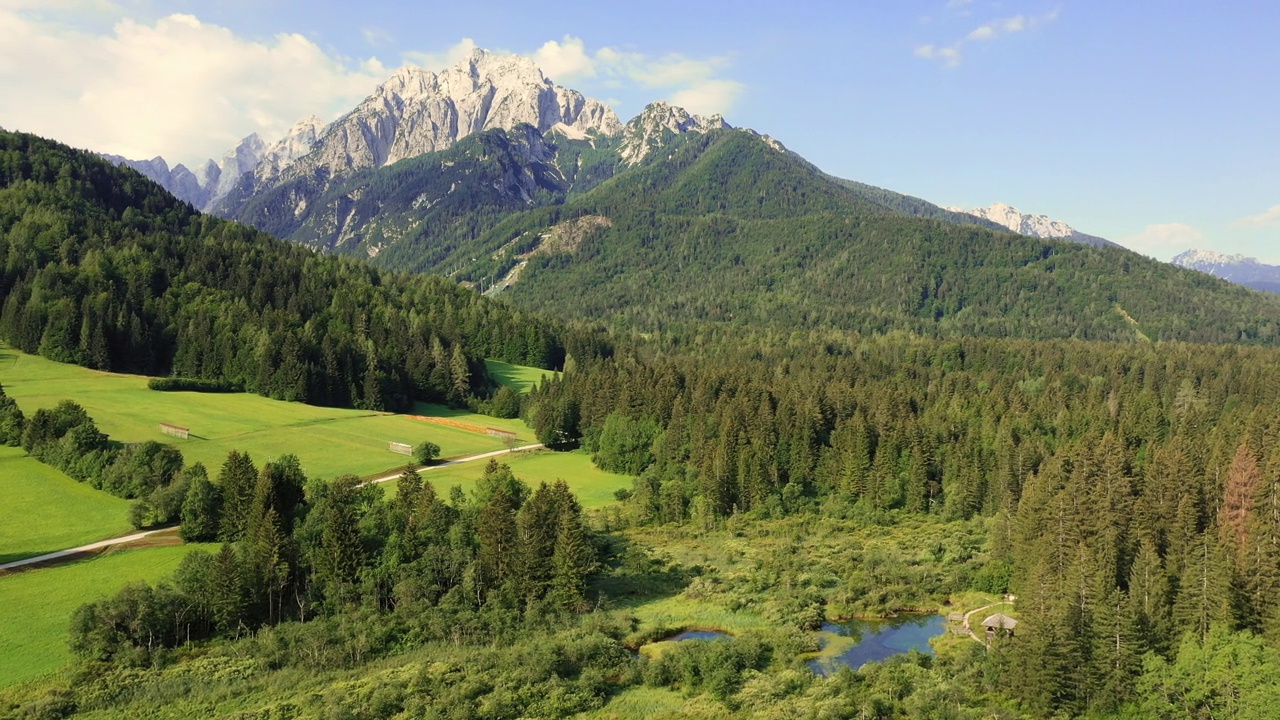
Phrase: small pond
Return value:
(697, 635)
(873, 640)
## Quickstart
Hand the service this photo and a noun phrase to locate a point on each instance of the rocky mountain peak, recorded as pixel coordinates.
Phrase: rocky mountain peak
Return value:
(1037, 226)
(1201, 259)
(1238, 269)
(417, 111)
(297, 142)
(657, 124)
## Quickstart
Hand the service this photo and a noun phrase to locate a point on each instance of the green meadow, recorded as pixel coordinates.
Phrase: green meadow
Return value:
(328, 441)
(44, 511)
(520, 378)
(38, 604)
(593, 486)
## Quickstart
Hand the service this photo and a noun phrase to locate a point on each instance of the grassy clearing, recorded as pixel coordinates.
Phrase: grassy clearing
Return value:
(328, 441)
(38, 604)
(520, 378)
(655, 703)
(44, 510)
(680, 612)
(593, 486)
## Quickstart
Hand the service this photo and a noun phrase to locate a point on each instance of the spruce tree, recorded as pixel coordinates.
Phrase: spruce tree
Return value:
(201, 511)
(237, 481)
(572, 562)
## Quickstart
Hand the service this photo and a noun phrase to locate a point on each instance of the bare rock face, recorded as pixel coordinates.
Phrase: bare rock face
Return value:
(299, 141)
(417, 111)
(237, 161)
(659, 122)
(1037, 226)
(1232, 268)
(414, 112)
(180, 181)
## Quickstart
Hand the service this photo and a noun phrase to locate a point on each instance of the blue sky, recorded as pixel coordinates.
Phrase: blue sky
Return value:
(1155, 124)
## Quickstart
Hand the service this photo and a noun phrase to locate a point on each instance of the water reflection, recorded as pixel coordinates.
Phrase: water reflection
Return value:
(697, 635)
(880, 639)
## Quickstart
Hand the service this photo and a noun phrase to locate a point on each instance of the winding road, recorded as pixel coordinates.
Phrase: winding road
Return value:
(111, 542)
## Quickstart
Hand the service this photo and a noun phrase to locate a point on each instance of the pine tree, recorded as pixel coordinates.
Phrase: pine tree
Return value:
(341, 550)
(227, 590)
(1205, 595)
(496, 534)
(573, 560)
(1149, 595)
(1236, 512)
(237, 481)
(201, 511)
(537, 526)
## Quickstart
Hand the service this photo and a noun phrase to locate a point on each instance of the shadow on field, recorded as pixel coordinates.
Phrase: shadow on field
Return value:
(634, 576)
(6, 558)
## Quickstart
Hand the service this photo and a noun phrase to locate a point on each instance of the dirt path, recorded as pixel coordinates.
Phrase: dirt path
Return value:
(110, 542)
(91, 547)
(971, 613)
(457, 461)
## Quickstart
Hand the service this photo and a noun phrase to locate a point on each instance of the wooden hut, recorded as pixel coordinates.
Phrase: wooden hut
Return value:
(999, 624)
(175, 431)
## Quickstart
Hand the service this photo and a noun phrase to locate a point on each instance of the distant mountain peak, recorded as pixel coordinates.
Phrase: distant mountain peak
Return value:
(657, 124)
(1037, 226)
(1196, 259)
(1238, 269)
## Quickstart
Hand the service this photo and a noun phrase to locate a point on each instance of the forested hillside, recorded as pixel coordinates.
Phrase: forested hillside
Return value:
(820, 386)
(103, 268)
(729, 230)
(1130, 490)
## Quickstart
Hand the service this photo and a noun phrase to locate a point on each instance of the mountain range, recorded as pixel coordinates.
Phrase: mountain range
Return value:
(491, 174)
(1037, 226)
(1233, 268)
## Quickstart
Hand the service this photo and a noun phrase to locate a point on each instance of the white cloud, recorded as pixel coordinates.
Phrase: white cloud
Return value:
(1165, 240)
(692, 83)
(951, 55)
(566, 61)
(377, 37)
(1267, 219)
(189, 90)
(708, 97)
(439, 61)
(178, 87)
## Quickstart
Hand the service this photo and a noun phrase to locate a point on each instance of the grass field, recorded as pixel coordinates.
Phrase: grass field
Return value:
(646, 703)
(520, 378)
(38, 604)
(43, 510)
(328, 441)
(593, 486)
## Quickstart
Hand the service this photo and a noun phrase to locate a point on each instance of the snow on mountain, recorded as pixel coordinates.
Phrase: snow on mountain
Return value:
(1037, 226)
(1232, 268)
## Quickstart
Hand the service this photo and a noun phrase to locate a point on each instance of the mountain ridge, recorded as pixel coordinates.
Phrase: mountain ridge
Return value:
(1031, 225)
(1237, 269)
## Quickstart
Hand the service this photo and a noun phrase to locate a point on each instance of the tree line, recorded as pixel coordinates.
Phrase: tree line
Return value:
(1130, 490)
(295, 549)
(104, 269)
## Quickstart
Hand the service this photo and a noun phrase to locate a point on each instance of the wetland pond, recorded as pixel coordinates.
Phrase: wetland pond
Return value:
(698, 635)
(854, 642)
